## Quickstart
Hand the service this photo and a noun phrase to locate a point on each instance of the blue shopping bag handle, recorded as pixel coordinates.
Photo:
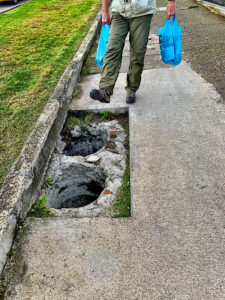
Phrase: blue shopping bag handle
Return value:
(174, 21)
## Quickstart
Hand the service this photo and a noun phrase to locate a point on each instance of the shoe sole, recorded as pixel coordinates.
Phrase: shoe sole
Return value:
(98, 98)
(130, 101)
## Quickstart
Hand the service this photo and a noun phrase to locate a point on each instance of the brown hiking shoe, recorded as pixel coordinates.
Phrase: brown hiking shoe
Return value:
(101, 95)
(130, 98)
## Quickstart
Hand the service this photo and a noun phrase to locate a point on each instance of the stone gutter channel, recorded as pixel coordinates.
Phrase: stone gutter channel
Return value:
(24, 181)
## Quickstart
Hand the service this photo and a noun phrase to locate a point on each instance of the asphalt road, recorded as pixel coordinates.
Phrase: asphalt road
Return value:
(5, 6)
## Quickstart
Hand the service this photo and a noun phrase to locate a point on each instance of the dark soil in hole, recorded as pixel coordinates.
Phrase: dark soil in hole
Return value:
(78, 201)
(84, 119)
(78, 190)
(86, 144)
(86, 195)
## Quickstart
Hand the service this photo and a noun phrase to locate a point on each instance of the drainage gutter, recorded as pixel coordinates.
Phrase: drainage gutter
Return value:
(21, 185)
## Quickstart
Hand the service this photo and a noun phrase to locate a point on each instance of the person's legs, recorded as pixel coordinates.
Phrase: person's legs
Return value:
(139, 32)
(113, 56)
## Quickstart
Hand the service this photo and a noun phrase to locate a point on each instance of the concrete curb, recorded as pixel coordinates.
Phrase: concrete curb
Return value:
(213, 8)
(21, 185)
(10, 7)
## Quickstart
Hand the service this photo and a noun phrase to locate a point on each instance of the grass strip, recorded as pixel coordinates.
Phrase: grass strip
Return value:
(38, 39)
(122, 203)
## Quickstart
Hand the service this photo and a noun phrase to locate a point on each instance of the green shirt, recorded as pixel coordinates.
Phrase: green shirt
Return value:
(134, 8)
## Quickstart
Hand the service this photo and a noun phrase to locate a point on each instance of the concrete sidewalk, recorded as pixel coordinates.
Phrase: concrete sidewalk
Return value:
(173, 245)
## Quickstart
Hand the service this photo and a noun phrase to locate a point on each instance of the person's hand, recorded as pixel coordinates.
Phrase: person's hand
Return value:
(171, 9)
(106, 18)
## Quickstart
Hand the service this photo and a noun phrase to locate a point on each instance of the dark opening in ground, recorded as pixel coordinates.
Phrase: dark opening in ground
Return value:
(75, 192)
(85, 195)
(85, 142)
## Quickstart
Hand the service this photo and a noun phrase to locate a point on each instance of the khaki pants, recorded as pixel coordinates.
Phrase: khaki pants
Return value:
(139, 31)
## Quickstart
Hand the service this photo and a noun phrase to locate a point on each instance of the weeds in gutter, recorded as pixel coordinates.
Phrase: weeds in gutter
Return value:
(49, 181)
(40, 209)
(71, 122)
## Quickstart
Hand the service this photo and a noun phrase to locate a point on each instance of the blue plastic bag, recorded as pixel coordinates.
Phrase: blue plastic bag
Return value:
(170, 42)
(102, 45)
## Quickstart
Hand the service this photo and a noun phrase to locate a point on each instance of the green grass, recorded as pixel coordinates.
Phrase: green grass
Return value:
(71, 122)
(38, 39)
(40, 209)
(122, 203)
(108, 115)
(82, 122)
(86, 119)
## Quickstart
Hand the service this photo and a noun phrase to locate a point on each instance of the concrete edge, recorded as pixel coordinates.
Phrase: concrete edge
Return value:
(21, 185)
(119, 110)
(14, 6)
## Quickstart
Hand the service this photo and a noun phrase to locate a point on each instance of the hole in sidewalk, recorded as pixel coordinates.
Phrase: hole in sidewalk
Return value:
(79, 184)
(74, 192)
(84, 142)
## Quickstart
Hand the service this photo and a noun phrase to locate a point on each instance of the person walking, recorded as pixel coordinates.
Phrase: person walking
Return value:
(133, 16)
